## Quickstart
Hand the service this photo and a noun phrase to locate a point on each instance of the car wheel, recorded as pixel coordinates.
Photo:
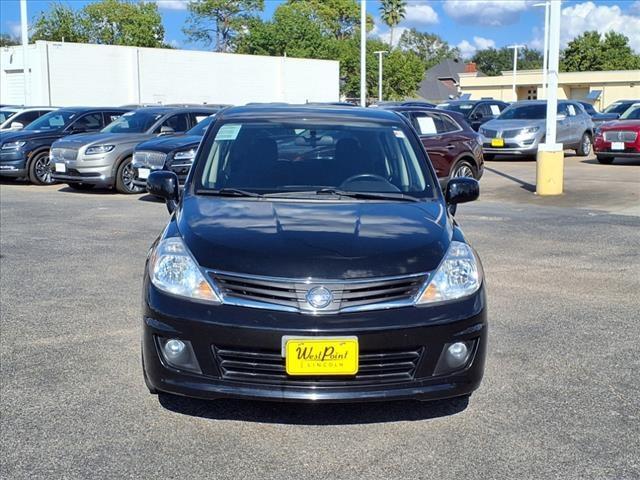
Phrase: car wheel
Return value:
(584, 148)
(488, 156)
(463, 169)
(605, 160)
(81, 186)
(40, 171)
(125, 176)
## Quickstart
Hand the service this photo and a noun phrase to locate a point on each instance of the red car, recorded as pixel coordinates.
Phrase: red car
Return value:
(454, 148)
(620, 138)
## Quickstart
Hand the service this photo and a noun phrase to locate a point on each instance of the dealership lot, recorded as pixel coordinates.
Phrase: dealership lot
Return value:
(559, 398)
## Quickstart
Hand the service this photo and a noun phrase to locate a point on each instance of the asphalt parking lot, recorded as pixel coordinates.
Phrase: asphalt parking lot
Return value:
(560, 398)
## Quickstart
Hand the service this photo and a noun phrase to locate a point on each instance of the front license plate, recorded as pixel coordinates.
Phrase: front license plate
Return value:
(497, 142)
(617, 145)
(143, 173)
(61, 167)
(321, 356)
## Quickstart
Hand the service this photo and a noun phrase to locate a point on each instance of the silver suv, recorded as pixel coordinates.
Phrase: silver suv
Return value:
(522, 126)
(104, 159)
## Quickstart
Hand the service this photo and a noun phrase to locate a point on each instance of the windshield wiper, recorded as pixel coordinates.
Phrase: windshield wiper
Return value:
(229, 192)
(402, 197)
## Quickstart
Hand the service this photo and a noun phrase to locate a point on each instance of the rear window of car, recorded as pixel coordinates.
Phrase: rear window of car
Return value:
(306, 155)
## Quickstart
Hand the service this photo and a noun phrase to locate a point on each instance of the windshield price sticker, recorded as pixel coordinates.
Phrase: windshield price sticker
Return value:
(399, 133)
(228, 132)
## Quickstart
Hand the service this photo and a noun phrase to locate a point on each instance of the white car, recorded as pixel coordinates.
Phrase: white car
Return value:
(16, 118)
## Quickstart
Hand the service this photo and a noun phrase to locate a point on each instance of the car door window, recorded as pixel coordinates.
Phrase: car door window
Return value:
(178, 122)
(446, 124)
(197, 117)
(562, 109)
(495, 109)
(572, 110)
(88, 123)
(26, 118)
(110, 117)
(425, 124)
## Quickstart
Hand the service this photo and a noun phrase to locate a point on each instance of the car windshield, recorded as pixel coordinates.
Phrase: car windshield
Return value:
(314, 157)
(201, 127)
(536, 111)
(53, 120)
(617, 107)
(589, 108)
(138, 121)
(633, 113)
(463, 108)
(6, 115)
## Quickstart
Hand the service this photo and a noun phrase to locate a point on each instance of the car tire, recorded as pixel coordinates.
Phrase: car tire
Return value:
(124, 178)
(81, 186)
(605, 160)
(40, 171)
(488, 156)
(463, 168)
(585, 147)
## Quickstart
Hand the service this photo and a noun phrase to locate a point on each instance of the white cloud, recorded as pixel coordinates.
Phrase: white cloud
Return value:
(468, 49)
(586, 16)
(386, 36)
(172, 4)
(14, 29)
(634, 9)
(420, 14)
(493, 13)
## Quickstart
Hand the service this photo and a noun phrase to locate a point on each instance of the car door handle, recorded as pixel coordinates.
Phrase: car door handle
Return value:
(450, 147)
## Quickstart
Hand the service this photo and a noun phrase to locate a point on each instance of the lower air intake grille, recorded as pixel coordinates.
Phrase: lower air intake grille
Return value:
(268, 367)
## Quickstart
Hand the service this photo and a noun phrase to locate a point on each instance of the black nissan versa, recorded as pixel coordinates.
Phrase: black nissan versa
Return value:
(313, 257)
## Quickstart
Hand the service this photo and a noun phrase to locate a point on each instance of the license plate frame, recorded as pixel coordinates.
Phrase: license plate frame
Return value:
(617, 146)
(61, 167)
(336, 355)
(497, 142)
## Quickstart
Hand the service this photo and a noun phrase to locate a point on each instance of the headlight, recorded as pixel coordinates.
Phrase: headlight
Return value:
(185, 155)
(99, 149)
(529, 131)
(459, 275)
(13, 145)
(173, 270)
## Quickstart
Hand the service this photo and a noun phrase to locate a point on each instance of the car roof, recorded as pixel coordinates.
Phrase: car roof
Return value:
(306, 110)
(168, 109)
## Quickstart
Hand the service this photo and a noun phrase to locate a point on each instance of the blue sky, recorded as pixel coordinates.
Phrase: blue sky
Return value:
(468, 24)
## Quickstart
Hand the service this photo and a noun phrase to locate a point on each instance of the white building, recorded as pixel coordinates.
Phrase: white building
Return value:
(65, 74)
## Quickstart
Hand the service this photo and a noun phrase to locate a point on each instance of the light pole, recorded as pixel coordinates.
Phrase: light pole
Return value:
(363, 53)
(380, 53)
(515, 68)
(550, 159)
(545, 60)
(25, 42)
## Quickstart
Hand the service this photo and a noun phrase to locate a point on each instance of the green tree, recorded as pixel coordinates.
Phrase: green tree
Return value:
(217, 22)
(7, 40)
(430, 48)
(337, 18)
(60, 24)
(591, 52)
(493, 61)
(392, 12)
(118, 22)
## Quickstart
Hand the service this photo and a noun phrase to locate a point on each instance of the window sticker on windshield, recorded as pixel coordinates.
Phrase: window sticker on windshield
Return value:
(399, 133)
(495, 109)
(228, 132)
(427, 126)
(572, 110)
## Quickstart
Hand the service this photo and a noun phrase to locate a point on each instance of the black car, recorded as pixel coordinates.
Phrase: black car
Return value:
(312, 256)
(25, 153)
(175, 153)
(620, 106)
(476, 112)
(596, 116)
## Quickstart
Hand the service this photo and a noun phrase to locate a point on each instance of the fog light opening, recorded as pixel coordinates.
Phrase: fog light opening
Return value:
(454, 356)
(179, 354)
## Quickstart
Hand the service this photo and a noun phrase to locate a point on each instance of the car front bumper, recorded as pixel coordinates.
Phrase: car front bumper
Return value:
(13, 164)
(94, 170)
(256, 333)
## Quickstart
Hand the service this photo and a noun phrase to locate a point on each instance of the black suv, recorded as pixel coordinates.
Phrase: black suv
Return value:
(475, 112)
(312, 256)
(25, 153)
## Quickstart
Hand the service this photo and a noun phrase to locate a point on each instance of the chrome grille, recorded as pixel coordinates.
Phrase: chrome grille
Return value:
(511, 133)
(268, 366)
(627, 136)
(148, 158)
(61, 154)
(290, 294)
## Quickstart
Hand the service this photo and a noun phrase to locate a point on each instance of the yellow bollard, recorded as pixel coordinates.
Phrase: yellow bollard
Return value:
(549, 171)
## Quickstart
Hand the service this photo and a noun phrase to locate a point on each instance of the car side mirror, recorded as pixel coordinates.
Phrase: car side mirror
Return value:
(78, 129)
(165, 130)
(164, 184)
(461, 190)
(17, 125)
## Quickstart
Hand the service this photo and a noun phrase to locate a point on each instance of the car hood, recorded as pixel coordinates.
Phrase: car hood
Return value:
(500, 125)
(82, 139)
(328, 240)
(621, 124)
(170, 143)
(26, 135)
